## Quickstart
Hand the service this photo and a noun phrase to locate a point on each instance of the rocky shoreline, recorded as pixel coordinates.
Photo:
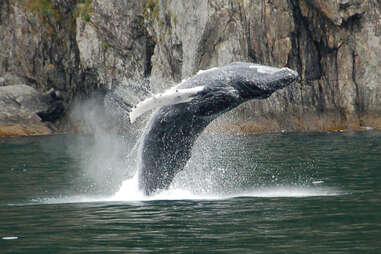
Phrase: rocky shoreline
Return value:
(54, 53)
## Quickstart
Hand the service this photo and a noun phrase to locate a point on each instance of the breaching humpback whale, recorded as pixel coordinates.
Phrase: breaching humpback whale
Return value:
(185, 110)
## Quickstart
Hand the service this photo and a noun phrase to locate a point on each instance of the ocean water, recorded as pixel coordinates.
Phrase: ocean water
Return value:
(270, 193)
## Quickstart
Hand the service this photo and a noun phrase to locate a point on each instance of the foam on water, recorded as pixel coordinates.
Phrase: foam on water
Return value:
(289, 191)
(129, 192)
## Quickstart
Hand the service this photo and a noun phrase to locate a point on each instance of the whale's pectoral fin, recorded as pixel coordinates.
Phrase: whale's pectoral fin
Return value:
(170, 97)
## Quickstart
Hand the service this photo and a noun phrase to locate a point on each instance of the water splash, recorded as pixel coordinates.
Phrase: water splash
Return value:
(204, 178)
(130, 193)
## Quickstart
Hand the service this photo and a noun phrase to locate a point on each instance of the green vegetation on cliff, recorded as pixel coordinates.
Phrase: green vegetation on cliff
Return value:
(84, 9)
(151, 9)
(50, 14)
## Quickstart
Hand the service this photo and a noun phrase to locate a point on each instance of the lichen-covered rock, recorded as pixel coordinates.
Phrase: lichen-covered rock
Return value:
(23, 130)
(338, 12)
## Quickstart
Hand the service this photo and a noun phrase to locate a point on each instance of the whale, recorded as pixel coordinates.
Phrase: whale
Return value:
(181, 113)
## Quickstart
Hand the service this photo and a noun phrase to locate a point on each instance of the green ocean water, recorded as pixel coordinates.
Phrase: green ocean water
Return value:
(271, 193)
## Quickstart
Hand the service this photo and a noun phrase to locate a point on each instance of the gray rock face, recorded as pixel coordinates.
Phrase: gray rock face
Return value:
(20, 104)
(114, 43)
(3, 81)
(37, 46)
(72, 48)
(76, 49)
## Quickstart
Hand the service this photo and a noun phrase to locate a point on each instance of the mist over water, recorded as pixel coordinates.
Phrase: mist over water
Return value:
(111, 154)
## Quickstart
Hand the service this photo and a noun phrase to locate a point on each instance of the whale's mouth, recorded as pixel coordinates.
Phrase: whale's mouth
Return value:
(280, 78)
(292, 72)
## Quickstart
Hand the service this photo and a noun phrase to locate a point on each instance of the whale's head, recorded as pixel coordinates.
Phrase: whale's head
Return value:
(254, 81)
(222, 89)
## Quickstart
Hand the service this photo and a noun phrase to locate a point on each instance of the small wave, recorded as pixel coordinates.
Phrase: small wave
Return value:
(68, 200)
(287, 191)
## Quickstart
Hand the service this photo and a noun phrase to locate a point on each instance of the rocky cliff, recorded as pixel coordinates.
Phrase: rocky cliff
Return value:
(67, 50)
